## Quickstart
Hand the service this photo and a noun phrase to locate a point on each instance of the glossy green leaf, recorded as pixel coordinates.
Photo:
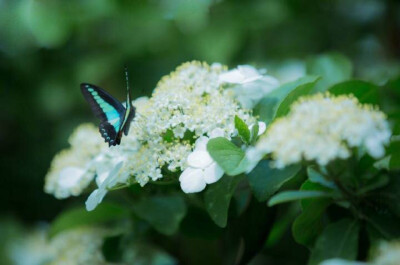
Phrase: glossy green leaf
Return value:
(317, 177)
(243, 130)
(76, 217)
(163, 212)
(288, 196)
(218, 196)
(231, 158)
(265, 181)
(338, 240)
(303, 90)
(308, 224)
(267, 107)
(332, 67)
(364, 91)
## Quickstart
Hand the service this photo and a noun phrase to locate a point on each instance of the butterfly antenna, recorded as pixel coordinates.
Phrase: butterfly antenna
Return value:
(127, 85)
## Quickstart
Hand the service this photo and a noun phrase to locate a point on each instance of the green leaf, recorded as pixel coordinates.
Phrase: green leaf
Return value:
(394, 151)
(373, 184)
(279, 229)
(243, 130)
(231, 158)
(384, 221)
(287, 196)
(267, 107)
(338, 240)
(308, 224)
(313, 186)
(332, 67)
(317, 177)
(218, 197)
(303, 90)
(163, 212)
(76, 217)
(364, 91)
(265, 181)
(254, 133)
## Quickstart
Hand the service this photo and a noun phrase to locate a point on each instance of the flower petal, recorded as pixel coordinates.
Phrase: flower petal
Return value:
(261, 127)
(95, 199)
(213, 173)
(199, 159)
(217, 132)
(70, 177)
(234, 77)
(201, 143)
(249, 73)
(192, 180)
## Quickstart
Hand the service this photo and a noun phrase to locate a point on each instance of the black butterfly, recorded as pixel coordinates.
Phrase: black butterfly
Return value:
(115, 118)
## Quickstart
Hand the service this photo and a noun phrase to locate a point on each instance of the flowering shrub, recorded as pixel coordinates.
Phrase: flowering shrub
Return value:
(224, 142)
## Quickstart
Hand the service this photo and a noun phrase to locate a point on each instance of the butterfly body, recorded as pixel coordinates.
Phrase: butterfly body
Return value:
(115, 118)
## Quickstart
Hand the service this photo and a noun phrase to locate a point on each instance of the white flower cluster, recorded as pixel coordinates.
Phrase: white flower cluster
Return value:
(388, 253)
(73, 169)
(78, 246)
(249, 84)
(187, 104)
(322, 128)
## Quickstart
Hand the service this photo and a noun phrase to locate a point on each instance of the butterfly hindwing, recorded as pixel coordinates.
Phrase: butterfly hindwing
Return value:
(109, 110)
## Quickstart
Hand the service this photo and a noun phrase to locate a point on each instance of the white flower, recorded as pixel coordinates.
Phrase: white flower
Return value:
(187, 104)
(342, 262)
(72, 169)
(78, 246)
(249, 84)
(27, 248)
(388, 253)
(241, 75)
(261, 127)
(323, 128)
(96, 197)
(202, 169)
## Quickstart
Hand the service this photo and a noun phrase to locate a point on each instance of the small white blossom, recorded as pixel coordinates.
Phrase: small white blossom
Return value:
(388, 253)
(78, 246)
(29, 247)
(323, 128)
(249, 84)
(110, 181)
(261, 127)
(202, 169)
(187, 104)
(72, 169)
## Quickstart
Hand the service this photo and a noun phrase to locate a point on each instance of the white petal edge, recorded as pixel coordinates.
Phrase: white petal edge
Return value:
(213, 173)
(192, 180)
(217, 132)
(199, 159)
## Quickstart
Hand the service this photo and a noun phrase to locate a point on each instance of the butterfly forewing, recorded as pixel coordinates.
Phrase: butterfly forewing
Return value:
(109, 110)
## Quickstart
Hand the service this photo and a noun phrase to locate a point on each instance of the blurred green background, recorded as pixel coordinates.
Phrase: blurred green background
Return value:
(48, 47)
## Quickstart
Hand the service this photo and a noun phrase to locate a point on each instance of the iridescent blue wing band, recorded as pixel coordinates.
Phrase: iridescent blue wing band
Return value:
(105, 107)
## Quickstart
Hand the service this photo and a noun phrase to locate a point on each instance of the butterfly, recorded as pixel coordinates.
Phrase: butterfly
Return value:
(115, 118)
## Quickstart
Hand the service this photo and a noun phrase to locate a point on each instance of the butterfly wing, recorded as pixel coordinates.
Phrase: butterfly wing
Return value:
(109, 110)
(129, 118)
